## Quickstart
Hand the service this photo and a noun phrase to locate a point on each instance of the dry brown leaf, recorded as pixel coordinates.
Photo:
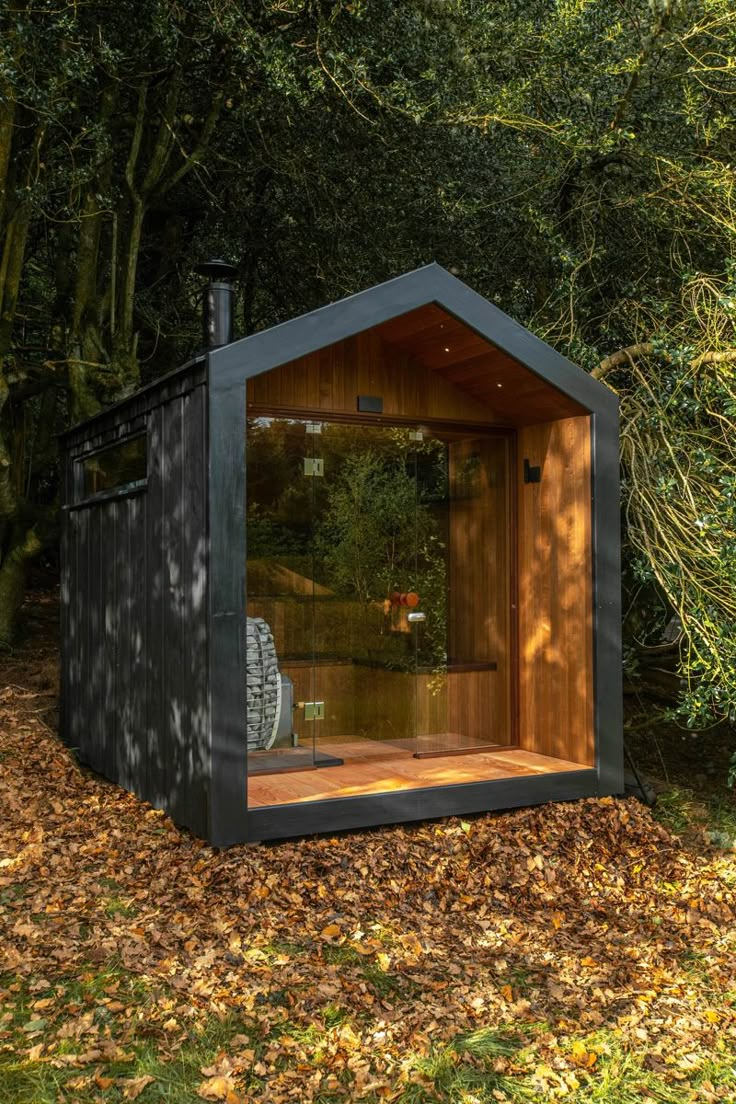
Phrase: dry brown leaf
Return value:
(331, 932)
(410, 943)
(216, 1088)
(134, 1086)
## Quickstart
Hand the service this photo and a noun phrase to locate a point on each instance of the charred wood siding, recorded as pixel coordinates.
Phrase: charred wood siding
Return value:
(135, 701)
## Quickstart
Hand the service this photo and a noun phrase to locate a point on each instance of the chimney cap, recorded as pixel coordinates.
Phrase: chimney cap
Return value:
(216, 269)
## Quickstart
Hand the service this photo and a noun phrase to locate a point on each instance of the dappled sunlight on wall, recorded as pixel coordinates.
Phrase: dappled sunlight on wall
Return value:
(555, 591)
(136, 627)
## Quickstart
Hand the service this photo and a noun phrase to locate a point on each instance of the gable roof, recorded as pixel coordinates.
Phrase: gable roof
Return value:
(403, 311)
(408, 298)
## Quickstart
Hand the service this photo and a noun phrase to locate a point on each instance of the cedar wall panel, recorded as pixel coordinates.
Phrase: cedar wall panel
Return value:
(135, 622)
(479, 621)
(329, 381)
(556, 592)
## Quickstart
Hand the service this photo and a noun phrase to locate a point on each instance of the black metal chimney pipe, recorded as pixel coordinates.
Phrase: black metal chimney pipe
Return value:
(217, 314)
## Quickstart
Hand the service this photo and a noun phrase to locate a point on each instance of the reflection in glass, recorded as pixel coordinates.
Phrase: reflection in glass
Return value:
(280, 588)
(120, 465)
(378, 579)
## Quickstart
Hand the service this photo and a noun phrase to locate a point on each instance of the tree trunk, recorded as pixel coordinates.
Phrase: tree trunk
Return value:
(25, 546)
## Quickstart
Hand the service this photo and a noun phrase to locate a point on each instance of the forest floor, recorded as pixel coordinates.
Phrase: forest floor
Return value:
(581, 951)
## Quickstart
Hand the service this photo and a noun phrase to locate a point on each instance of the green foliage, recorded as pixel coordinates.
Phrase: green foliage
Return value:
(572, 161)
(368, 537)
(679, 468)
(379, 532)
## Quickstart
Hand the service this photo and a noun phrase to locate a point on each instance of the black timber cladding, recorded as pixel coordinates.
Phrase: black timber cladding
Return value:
(135, 701)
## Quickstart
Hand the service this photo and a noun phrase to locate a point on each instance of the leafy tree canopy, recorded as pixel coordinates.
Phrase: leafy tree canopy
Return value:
(571, 160)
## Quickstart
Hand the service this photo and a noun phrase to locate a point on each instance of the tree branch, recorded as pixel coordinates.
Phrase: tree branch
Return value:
(660, 26)
(621, 357)
(135, 144)
(194, 158)
(646, 348)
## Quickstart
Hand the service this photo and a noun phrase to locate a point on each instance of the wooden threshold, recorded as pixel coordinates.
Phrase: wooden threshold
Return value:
(375, 767)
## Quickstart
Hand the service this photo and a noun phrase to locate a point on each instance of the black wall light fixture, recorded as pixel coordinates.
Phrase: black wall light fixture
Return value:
(532, 474)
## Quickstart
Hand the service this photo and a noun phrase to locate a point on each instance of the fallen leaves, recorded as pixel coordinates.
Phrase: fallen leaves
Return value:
(581, 1056)
(346, 962)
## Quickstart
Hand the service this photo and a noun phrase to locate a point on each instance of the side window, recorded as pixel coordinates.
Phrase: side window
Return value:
(119, 467)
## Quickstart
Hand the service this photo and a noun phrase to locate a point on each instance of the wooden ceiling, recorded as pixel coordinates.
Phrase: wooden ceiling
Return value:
(438, 341)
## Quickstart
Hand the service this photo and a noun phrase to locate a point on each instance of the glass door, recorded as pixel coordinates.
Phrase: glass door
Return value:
(365, 561)
(463, 641)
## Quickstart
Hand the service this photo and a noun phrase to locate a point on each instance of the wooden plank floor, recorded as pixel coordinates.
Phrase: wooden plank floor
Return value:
(372, 767)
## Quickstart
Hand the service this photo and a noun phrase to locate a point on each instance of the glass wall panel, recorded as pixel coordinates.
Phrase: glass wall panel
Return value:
(120, 465)
(379, 593)
(280, 590)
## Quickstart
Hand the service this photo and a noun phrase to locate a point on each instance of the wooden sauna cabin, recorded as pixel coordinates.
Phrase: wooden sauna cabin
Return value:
(356, 569)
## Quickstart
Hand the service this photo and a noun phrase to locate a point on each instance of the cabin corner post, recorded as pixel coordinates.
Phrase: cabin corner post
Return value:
(64, 599)
(606, 530)
(226, 476)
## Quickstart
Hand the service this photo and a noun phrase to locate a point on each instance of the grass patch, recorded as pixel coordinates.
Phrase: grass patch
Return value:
(694, 964)
(115, 906)
(13, 893)
(497, 1064)
(681, 809)
(335, 1015)
(175, 1069)
(281, 947)
(311, 1035)
(722, 816)
(175, 1078)
(463, 1071)
(620, 1075)
(520, 979)
(388, 985)
(719, 1071)
(678, 809)
(487, 1043)
(342, 956)
(95, 983)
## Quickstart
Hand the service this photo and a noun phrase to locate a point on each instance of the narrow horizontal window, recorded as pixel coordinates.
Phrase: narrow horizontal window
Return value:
(120, 465)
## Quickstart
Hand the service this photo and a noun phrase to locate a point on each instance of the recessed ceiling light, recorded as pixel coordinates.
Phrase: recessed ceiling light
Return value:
(499, 385)
(446, 349)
